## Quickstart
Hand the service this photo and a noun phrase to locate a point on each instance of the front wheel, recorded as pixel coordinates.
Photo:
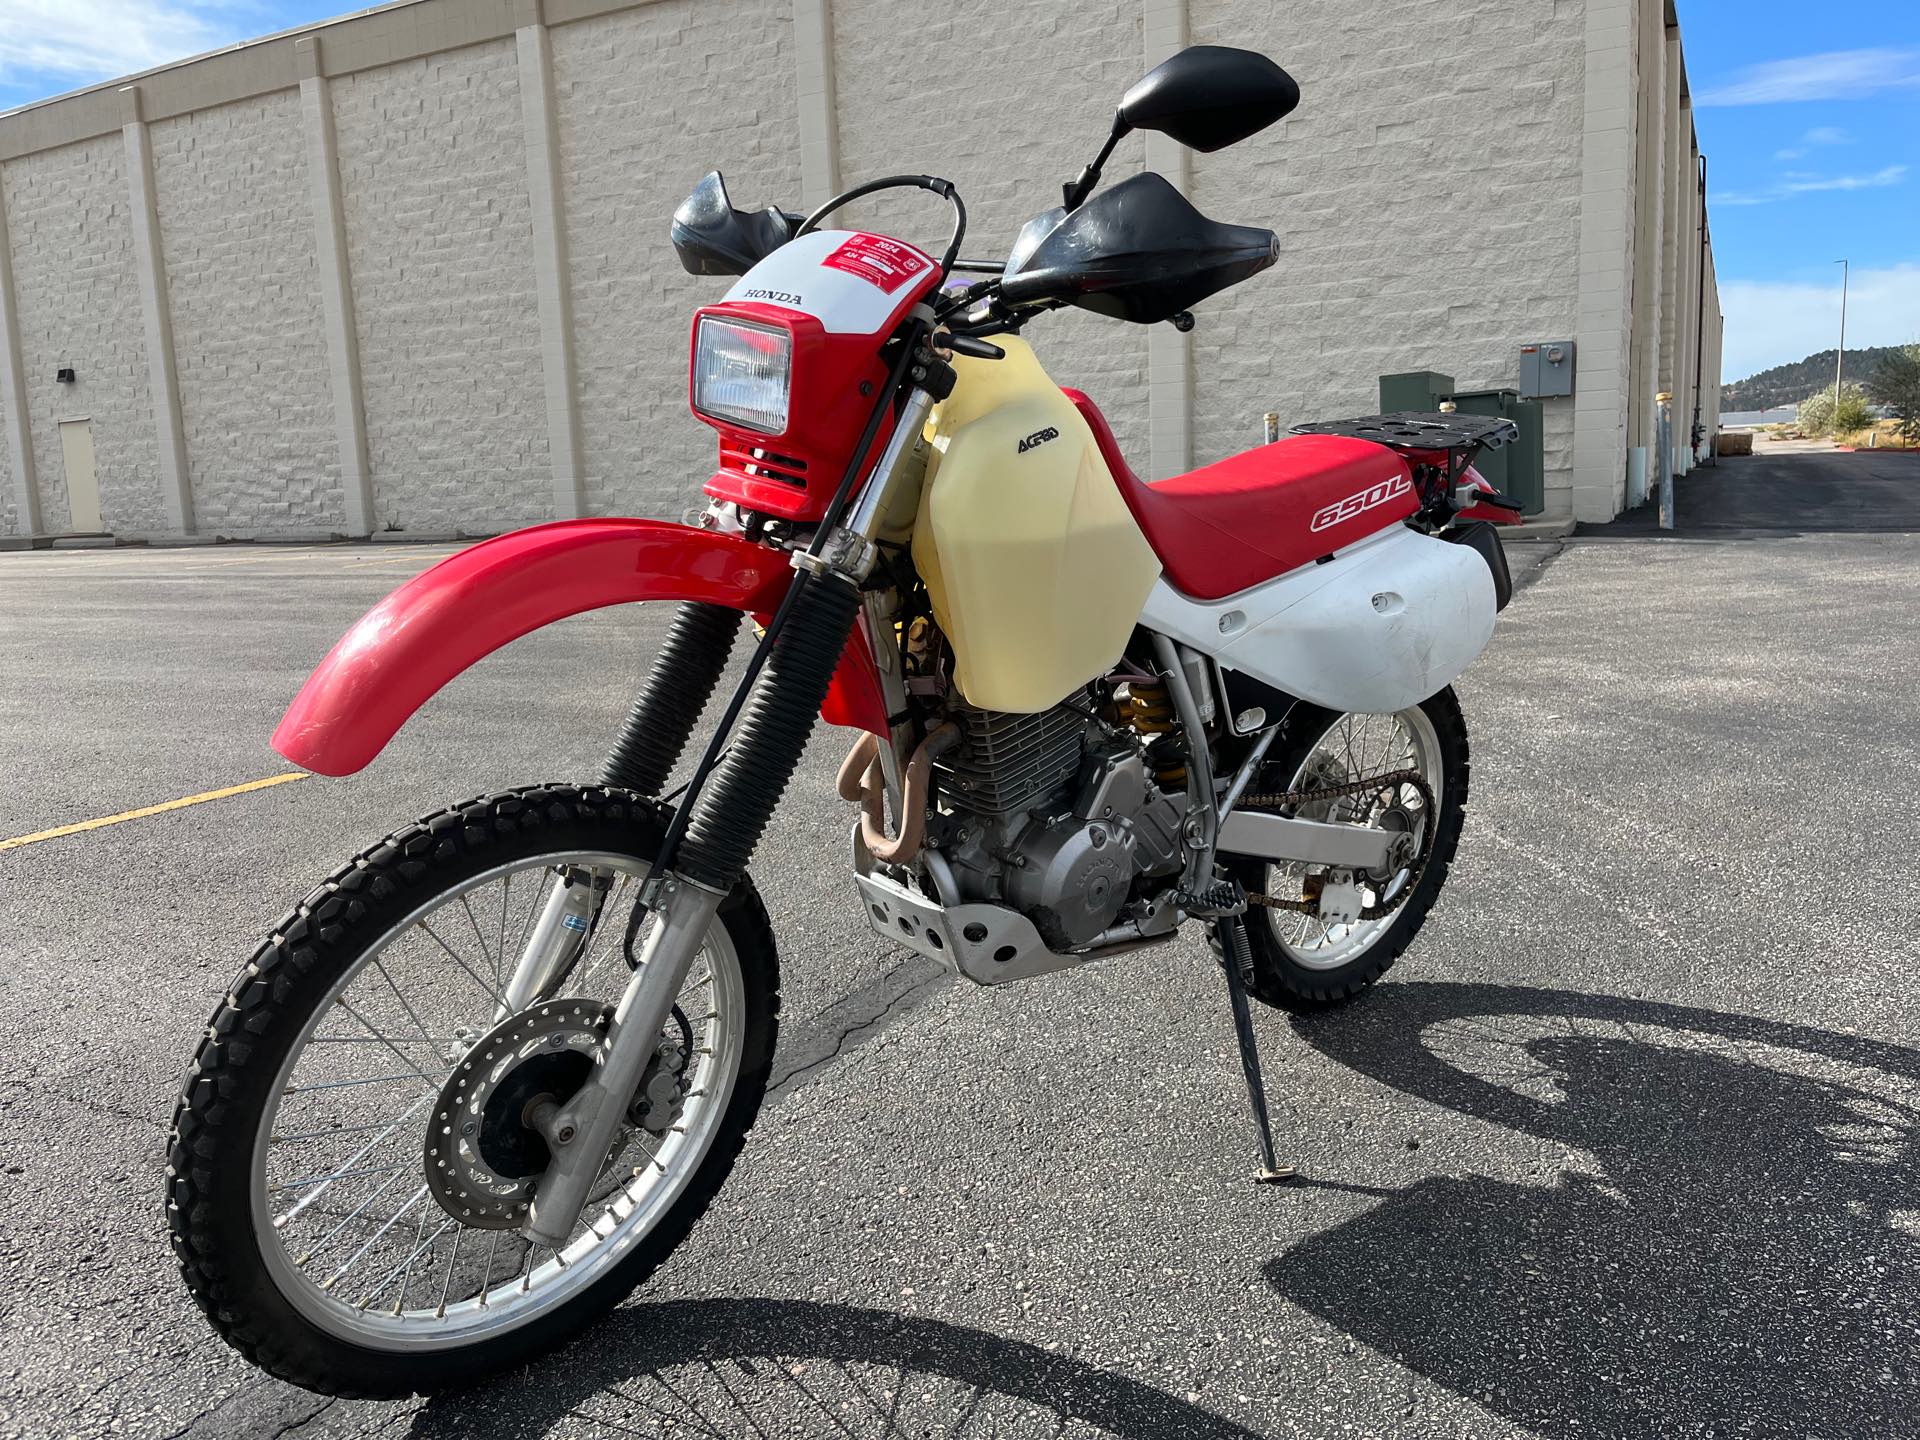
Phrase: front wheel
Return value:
(355, 1140)
(1300, 961)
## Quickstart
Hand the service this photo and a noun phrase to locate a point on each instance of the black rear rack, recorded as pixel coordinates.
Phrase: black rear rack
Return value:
(1458, 437)
(1414, 430)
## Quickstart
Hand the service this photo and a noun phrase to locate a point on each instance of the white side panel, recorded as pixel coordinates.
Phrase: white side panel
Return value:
(850, 281)
(1381, 626)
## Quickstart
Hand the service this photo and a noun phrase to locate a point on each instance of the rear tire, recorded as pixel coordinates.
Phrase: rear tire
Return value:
(1295, 979)
(258, 1031)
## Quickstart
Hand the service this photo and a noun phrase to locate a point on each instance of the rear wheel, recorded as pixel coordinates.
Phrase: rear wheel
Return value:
(355, 1140)
(1300, 960)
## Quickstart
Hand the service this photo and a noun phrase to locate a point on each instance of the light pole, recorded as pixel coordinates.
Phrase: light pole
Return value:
(1840, 355)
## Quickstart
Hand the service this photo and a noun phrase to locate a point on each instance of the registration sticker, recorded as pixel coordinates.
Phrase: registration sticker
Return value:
(878, 260)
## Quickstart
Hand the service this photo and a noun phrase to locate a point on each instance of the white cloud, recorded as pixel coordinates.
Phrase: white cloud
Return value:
(1775, 322)
(1799, 182)
(1819, 136)
(1836, 75)
(81, 41)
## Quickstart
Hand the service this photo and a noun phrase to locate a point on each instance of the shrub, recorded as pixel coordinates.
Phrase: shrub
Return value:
(1820, 415)
(1896, 385)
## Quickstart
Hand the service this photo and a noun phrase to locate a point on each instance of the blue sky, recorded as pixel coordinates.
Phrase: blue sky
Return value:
(1809, 115)
(1810, 120)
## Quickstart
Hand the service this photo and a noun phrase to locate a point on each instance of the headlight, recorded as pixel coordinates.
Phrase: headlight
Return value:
(743, 373)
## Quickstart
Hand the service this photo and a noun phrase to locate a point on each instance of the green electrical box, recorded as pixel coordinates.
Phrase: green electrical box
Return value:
(1519, 469)
(1419, 391)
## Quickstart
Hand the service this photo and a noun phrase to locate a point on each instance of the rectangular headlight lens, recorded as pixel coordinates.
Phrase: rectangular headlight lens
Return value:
(743, 373)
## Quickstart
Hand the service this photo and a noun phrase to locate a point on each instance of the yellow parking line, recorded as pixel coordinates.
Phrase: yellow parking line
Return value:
(147, 810)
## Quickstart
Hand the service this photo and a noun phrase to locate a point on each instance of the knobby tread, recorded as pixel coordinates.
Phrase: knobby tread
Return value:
(1280, 983)
(245, 1042)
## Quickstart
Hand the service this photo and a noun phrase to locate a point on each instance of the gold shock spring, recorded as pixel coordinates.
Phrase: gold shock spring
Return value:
(1147, 707)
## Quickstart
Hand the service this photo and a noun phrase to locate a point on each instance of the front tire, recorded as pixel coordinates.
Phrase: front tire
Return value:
(236, 1156)
(1298, 963)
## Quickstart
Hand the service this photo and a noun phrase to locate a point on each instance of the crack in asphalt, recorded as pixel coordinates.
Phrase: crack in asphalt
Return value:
(1523, 578)
(301, 1422)
(855, 1019)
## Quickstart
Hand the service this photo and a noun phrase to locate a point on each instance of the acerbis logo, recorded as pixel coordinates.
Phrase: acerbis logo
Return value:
(779, 297)
(1038, 437)
(1361, 503)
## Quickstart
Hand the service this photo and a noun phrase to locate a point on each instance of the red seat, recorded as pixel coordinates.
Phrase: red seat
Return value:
(1231, 525)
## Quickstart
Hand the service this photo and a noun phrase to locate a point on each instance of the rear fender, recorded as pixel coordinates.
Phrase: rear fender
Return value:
(446, 619)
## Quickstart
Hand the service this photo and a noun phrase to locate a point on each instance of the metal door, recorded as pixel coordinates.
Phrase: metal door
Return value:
(83, 488)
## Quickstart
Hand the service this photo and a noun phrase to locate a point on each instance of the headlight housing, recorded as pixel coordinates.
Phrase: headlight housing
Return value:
(743, 374)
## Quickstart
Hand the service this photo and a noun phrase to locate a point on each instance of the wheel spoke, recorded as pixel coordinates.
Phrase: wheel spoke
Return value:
(364, 1080)
(453, 1263)
(399, 995)
(381, 1036)
(287, 1187)
(491, 993)
(492, 964)
(374, 1238)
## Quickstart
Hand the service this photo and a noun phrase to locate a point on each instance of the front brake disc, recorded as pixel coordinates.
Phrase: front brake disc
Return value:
(483, 1153)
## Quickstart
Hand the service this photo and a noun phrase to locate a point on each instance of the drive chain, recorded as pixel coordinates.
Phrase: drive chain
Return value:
(1295, 799)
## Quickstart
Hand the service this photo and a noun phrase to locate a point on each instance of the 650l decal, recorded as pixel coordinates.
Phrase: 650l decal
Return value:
(1361, 502)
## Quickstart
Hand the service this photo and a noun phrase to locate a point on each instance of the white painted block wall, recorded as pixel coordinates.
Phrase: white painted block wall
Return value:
(237, 238)
(69, 219)
(1433, 195)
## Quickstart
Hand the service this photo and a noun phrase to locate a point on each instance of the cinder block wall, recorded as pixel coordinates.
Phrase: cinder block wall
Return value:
(78, 305)
(1435, 197)
(238, 244)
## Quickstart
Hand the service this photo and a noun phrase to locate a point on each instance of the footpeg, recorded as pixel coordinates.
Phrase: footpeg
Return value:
(1237, 961)
(1222, 898)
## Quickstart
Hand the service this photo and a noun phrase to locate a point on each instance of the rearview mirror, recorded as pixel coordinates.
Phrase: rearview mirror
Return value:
(1209, 97)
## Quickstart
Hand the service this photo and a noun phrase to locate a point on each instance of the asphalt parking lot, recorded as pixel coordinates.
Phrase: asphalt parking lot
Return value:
(1625, 1147)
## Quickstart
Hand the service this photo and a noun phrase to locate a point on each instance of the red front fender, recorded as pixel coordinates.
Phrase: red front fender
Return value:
(470, 604)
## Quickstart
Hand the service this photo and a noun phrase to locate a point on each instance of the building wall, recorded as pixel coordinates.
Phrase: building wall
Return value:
(237, 240)
(1020, 118)
(1422, 227)
(78, 302)
(648, 101)
(1438, 205)
(439, 243)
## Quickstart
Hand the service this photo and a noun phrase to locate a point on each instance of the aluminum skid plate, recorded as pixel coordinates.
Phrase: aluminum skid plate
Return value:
(989, 944)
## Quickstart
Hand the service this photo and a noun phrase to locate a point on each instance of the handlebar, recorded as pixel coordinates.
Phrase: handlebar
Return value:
(933, 183)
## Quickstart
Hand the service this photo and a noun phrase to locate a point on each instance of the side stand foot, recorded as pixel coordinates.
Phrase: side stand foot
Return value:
(1238, 958)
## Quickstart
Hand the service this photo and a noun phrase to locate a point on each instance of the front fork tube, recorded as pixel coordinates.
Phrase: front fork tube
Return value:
(565, 921)
(649, 745)
(582, 1131)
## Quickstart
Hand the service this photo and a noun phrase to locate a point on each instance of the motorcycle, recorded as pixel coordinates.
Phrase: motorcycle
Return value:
(483, 1079)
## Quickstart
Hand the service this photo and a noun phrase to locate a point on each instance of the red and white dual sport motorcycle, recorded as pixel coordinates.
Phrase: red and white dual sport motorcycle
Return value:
(485, 1077)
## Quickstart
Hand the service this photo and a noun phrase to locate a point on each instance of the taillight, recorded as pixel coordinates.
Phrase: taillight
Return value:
(743, 374)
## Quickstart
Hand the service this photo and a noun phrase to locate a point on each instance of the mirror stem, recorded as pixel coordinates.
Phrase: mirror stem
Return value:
(1075, 194)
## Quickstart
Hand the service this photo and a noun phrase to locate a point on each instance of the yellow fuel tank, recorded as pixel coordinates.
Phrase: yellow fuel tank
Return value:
(1035, 567)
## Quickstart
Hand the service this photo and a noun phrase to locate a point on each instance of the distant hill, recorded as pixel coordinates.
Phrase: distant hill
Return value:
(1790, 384)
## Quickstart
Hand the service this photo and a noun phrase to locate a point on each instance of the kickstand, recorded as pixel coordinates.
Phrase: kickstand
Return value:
(1238, 961)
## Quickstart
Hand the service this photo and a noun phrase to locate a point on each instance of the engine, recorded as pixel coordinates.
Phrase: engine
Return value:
(1056, 815)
